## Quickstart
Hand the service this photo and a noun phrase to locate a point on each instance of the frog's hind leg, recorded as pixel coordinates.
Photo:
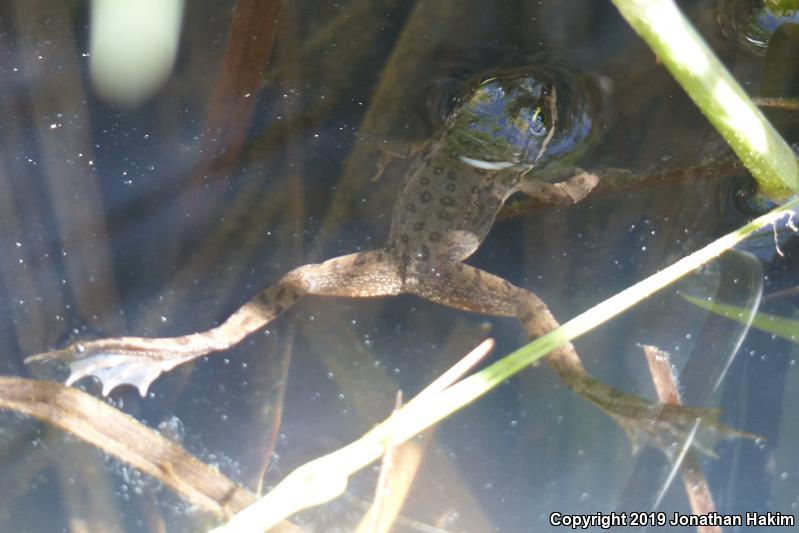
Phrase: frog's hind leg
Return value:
(468, 288)
(138, 361)
(471, 289)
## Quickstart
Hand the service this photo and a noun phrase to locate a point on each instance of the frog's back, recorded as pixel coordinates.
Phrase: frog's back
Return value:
(444, 209)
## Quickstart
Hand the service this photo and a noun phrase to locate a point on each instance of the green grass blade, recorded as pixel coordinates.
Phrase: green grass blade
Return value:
(785, 328)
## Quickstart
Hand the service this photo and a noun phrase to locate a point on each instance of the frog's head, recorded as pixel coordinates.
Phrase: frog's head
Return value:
(518, 119)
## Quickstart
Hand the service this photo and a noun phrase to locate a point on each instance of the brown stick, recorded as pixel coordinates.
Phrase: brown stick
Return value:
(128, 440)
(696, 486)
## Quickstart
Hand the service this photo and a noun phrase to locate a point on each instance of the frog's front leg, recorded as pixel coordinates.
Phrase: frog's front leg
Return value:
(390, 151)
(139, 361)
(566, 192)
(472, 289)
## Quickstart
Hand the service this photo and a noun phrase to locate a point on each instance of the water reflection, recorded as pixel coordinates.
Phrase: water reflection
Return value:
(750, 23)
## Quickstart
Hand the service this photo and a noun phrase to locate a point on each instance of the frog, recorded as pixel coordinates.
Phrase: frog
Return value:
(491, 146)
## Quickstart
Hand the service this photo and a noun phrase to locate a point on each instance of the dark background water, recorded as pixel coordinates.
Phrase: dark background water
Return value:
(162, 218)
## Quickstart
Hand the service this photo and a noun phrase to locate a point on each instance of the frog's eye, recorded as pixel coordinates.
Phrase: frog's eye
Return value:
(537, 123)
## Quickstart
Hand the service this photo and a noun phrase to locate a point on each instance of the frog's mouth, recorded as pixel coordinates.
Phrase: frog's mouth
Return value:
(486, 165)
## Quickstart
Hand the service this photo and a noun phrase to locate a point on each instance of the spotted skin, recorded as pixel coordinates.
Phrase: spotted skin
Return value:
(445, 208)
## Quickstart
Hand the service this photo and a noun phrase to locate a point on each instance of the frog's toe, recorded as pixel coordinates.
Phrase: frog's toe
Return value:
(676, 428)
(117, 362)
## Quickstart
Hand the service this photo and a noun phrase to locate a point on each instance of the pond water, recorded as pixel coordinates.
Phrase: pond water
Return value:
(161, 216)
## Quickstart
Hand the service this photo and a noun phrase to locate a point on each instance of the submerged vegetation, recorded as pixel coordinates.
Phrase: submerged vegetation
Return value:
(231, 218)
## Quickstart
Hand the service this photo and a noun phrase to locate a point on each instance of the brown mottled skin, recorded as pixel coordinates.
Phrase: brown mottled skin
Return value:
(443, 212)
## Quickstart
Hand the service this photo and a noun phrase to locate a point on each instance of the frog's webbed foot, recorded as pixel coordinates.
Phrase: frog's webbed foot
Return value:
(138, 361)
(671, 428)
(124, 360)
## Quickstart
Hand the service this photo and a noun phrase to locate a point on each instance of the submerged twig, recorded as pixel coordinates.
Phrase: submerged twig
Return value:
(128, 440)
(231, 106)
(124, 437)
(66, 155)
(397, 471)
(696, 487)
(788, 104)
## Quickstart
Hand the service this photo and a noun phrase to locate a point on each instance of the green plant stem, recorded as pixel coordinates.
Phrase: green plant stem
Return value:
(713, 89)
